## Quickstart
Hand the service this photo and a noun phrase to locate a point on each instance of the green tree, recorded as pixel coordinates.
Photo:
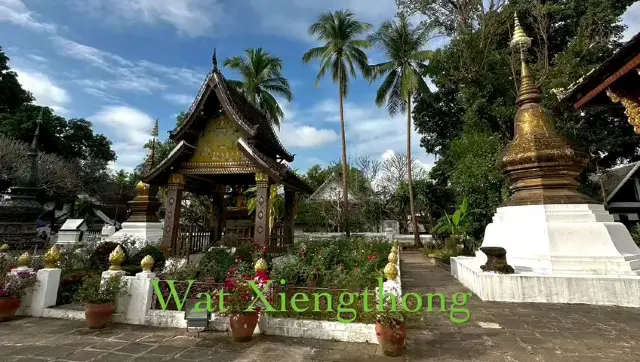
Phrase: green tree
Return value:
(12, 95)
(262, 78)
(342, 53)
(476, 75)
(403, 44)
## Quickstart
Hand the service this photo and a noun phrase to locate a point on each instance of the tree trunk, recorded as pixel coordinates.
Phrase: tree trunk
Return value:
(345, 168)
(416, 231)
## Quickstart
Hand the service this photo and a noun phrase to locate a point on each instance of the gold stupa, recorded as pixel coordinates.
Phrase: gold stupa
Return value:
(145, 205)
(541, 167)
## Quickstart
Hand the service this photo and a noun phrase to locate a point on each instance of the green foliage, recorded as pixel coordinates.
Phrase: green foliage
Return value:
(262, 78)
(635, 234)
(215, 263)
(99, 259)
(93, 292)
(12, 95)
(156, 254)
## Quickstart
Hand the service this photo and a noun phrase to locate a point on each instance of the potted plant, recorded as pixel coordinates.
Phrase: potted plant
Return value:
(99, 298)
(391, 330)
(12, 288)
(240, 304)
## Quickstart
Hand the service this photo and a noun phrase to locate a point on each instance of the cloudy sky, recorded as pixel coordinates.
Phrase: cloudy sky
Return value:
(123, 63)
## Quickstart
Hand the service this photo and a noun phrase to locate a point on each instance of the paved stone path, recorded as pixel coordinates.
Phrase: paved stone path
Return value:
(496, 332)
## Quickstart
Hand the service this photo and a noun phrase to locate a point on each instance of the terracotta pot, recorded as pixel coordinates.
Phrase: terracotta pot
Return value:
(392, 340)
(8, 308)
(98, 315)
(242, 326)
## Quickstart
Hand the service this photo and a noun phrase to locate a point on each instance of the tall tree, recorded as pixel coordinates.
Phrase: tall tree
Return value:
(12, 95)
(262, 78)
(342, 54)
(403, 44)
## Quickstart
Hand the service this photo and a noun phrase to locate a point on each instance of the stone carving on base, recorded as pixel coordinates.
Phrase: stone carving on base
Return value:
(496, 260)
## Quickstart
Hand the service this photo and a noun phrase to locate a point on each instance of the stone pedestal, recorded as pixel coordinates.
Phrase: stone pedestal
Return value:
(573, 253)
(149, 231)
(46, 291)
(141, 290)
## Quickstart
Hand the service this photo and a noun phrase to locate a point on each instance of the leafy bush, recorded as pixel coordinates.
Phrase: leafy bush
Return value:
(215, 263)
(100, 257)
(156, 254)
(93, 291)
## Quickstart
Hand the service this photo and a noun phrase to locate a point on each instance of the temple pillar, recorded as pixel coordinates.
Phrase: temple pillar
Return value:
(263, 192)
(172, 214)
(289, 215)
(219, 211)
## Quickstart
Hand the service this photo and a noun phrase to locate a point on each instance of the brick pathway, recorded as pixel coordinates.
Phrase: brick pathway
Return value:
(528, 332)
(496, 332)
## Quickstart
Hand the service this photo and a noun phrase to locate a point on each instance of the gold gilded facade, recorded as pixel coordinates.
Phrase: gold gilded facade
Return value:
(631, 108)
(218, 143)
(541, 167)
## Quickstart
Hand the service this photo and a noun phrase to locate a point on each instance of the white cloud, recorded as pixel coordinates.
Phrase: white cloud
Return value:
(44, 90)
(631, 18)
(179, 99)
(189, 17)
(295, 134)
(130, 129)
(16, 12)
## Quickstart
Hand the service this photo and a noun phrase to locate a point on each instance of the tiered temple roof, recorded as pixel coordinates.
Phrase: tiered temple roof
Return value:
(258, 142)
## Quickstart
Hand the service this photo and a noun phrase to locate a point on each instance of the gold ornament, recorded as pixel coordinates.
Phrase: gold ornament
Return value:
(25, 260)
(261, 265)
(520, 39)
(147, 263)
(51, 257)
(391, 271)
(116, 258)
(4, 248)
(142, 189)
(176, 179)
(393, 257)
(631, 106)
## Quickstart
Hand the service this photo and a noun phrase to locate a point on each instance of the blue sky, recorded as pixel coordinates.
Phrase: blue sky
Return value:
(123, 63)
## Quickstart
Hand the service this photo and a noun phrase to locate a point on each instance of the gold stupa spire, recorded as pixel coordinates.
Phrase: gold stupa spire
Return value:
(539, 164)
(145, 205)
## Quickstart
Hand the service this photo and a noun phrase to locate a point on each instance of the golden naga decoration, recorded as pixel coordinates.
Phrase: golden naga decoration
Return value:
(261, 265)
(116, 258)
(541, 167)
(631, 106)
(391, 271)
(393, 257)
(4, 248)
(52, 257)
(25, 260)
(147, 263)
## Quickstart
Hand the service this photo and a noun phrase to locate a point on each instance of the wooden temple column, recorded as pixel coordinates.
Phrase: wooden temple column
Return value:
(172, 214)
(263, 191)
(289, 215)
(219, 211)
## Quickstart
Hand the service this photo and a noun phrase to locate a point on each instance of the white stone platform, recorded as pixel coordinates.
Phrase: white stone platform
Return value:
(149, 231)
(560, 253)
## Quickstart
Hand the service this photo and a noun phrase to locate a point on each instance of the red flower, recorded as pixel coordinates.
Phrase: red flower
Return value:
(11, 267)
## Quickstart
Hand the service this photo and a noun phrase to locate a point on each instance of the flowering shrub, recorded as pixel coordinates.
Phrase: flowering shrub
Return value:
(16, 285)
(240, 295)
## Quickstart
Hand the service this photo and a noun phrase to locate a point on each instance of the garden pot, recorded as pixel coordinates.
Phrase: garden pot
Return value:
(242, 326)
(392, 340)
(8, 308)
(98, 315)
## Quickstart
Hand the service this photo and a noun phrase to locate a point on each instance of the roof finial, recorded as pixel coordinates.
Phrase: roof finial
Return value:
(529, 92)
(214, 59)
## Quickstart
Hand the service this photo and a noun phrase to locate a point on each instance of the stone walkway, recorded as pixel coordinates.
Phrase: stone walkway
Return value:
(496, 332)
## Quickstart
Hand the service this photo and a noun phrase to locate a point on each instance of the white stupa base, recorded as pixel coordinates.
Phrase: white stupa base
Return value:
(560, 253)
(149, 231)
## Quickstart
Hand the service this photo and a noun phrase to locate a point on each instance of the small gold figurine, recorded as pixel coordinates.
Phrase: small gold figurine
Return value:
(391, 271)
(261, 265)
(25, 260)
(52, 257)
(147, 263)
(116, 258)
(393, 257)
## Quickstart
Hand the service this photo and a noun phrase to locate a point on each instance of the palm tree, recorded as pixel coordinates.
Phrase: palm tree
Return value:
(262, 78)
(341, 54)
(403, 44)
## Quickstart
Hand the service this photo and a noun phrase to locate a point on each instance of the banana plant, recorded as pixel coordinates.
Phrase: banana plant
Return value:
(454, 224)
(276, 204)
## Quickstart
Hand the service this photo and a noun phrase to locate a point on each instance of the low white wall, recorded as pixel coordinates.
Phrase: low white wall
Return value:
(405, 239)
